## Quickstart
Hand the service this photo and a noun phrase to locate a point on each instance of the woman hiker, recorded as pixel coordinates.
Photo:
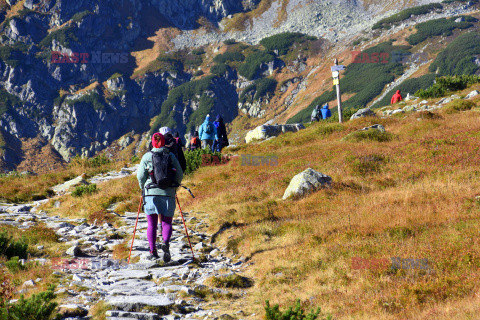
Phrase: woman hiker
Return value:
(159, 203)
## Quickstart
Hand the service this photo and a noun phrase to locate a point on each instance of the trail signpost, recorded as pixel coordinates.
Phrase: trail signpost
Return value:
(336, 82)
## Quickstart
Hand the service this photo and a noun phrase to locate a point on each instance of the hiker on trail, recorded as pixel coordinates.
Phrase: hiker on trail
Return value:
(222, 140)
(180, 142)
(174, 147)
(316, 114)
(159, 175)
(195, 142)
(208, 133)
(326, 113)
(397, 97)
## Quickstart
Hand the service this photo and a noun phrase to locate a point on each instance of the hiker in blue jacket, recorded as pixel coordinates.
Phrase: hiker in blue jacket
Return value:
(326, 113)
(208, 133)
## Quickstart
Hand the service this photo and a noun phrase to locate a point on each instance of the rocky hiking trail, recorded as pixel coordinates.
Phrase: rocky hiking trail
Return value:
(144, 289)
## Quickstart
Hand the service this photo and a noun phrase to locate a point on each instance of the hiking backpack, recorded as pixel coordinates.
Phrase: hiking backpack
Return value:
(163, 173)
(209, 128)
(194, 143)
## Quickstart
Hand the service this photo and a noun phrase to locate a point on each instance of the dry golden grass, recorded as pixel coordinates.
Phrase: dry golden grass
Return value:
(418, 202)
(125, 192)
(33, 187)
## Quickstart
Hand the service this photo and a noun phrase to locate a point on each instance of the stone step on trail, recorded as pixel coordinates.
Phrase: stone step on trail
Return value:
(117, 314)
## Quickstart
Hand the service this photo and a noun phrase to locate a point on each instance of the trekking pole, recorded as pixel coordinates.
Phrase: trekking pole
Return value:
(135, 229)
(188, 191)
(186, 231)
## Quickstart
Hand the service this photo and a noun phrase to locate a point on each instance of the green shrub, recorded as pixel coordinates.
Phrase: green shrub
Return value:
(198, 73)
(406, 14)
(219, 69)
(459, 56)
(116, 75)
(84, 190)
(353, 81)
(14, 265)
(198, 52)
(95, 100)
(297, 313)
(135, 159)
(251, 67)
(8, 101)
(77, 17)
(198, 157)
(10, 248)
(445, 85)
(459, 105)
(13, 55)
(437, 27)
(185, 92)
(230, 42)
(229, 57)
(38, 306)
(282, 42)
(63, 36)
(258, 90)
(369, 135)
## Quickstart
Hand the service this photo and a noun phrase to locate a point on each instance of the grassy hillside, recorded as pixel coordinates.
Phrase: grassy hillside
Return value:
(413, 197)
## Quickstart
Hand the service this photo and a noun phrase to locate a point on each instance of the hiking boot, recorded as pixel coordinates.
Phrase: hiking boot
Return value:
(166, 252)
(154, 255)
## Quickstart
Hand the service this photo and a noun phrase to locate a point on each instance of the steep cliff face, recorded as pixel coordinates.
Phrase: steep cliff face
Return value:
(51, 49)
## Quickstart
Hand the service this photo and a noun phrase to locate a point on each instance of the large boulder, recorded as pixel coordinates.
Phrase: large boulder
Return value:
(366, 112)
(472, 94)
(306, 182)
(64, 187)
(267, 131)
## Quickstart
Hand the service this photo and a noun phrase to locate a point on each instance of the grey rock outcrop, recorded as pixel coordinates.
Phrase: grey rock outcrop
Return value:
(366, 112)
(472, 94)
(306, 182)
(268, 131)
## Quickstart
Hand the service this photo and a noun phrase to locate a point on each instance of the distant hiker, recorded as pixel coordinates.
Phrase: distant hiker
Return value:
(173, 146)
(180, 142)
(316, 114)
(195, 142)
(326, 113)
(397, 97)
(222, 140)
(159, 175)
(208, 133)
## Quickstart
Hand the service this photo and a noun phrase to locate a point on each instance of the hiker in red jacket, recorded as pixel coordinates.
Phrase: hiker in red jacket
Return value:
(397, 97)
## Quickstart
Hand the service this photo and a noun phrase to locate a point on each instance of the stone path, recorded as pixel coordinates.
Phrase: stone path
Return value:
(142, 290)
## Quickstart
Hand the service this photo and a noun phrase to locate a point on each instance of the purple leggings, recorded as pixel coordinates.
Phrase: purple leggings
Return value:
(152, 229)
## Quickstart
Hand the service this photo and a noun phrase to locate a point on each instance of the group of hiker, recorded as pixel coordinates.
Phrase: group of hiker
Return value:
(320, 113)
(211, 135)
(161, 172)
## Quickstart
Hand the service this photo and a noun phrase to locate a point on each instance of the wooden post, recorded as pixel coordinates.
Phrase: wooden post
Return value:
(339, 96)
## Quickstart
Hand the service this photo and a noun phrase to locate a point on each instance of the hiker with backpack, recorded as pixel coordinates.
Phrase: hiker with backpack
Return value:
(316, 114)
(222, 140)
(195, 142)
(159, 175)
(326, 113)
(179, 140)
(208, 133)
(174, 147)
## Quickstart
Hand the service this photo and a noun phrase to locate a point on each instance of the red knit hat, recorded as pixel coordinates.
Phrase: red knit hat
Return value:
(158, 140)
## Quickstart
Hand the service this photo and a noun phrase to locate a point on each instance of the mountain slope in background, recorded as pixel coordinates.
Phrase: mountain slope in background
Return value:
(81, 75)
